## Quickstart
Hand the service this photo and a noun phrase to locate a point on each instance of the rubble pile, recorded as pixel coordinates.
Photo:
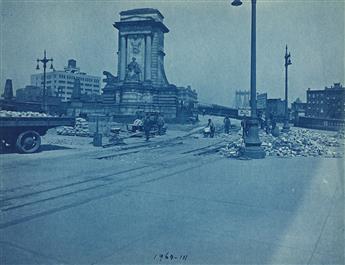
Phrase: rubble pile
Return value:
(8, 113)
(81, 128)
(299, 142)
(340, 134)
(232, 150)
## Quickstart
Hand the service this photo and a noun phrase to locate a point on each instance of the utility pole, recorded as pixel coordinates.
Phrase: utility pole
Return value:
(44, 61)
(287, 57)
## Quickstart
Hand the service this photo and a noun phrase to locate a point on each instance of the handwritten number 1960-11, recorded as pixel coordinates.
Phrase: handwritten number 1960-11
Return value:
(169, 256)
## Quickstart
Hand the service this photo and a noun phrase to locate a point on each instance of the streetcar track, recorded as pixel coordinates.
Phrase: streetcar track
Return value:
(85, 201)
(163, 164)
(201, 148)
(85, 189)
(78, 175)
(150, 146)
(72, 184)
(211, 151)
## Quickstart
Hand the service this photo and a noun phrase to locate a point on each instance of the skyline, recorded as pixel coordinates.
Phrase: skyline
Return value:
(212, 55)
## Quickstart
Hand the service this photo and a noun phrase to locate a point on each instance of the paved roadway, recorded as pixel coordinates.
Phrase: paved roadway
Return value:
(171, 202)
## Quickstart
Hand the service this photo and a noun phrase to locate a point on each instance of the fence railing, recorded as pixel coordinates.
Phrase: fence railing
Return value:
(320, 123)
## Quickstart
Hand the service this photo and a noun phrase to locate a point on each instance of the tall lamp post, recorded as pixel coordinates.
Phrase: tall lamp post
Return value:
(252, 141)
(44, 61)
(287, 57)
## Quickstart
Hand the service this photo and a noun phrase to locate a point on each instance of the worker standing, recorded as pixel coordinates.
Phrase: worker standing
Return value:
(227, 124)
(160, 124)
(244, 127)
(212, 128)
(147, 126)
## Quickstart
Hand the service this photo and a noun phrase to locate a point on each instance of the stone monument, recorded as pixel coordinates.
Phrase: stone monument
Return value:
(141, 84)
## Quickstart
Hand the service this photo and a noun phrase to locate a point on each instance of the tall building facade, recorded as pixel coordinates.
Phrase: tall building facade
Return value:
(60, 83)
(328, 103)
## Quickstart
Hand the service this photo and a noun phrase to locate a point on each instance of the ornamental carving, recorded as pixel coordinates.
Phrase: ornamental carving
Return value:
(136, 42)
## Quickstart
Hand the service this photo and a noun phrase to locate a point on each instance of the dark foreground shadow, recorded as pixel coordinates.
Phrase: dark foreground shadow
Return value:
(52, 147)
(43, 148)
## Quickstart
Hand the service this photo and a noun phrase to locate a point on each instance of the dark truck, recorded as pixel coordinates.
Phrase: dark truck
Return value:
(24, 133)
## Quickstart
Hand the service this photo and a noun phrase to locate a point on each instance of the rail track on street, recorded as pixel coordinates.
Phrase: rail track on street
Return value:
(122, 151)
(52, 196)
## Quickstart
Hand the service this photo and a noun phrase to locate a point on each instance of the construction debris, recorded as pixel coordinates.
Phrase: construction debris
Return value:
(81, 128)
(7, 113)
(232, 150)
(340, 134)
(297, 142)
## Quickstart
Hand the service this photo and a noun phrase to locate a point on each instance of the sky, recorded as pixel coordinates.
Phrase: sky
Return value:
(208, 46)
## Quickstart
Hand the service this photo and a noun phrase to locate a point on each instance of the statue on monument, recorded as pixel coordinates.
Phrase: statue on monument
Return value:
(133, 71)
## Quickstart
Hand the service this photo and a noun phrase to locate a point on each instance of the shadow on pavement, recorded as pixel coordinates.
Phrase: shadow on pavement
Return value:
(52, 147)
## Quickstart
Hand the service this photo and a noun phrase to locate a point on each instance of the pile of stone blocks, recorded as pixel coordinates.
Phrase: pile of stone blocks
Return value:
(7, 113)
(81, 128)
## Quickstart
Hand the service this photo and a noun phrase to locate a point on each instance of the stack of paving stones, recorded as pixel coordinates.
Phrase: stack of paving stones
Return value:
(295, 143)
(81, 128)
(30, 114)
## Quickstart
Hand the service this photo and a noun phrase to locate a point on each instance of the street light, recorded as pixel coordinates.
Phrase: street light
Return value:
(44, 61)
(252, 141)
(287, 57)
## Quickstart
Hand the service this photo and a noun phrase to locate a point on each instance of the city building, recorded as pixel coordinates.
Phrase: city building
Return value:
(187, 99)
(328, 103)
(34, 94)
(187, 96)
(261, 102)
(60, 83)
(29, 98)
(29, 93)
(276, 108)
(298, 108)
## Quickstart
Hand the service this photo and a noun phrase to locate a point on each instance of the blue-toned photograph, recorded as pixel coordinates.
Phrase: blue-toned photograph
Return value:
(172, 132)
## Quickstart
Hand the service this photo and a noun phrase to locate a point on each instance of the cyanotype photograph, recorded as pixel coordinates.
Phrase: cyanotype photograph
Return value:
(172, 132)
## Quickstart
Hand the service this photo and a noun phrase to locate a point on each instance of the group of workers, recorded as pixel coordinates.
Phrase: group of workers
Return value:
(267, 124)
(149, 123)
(210, 129)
